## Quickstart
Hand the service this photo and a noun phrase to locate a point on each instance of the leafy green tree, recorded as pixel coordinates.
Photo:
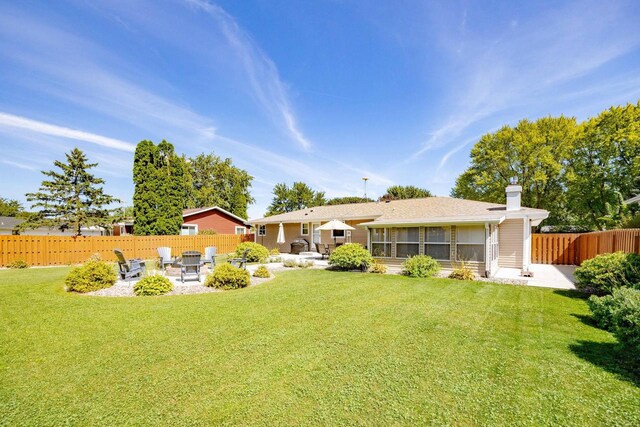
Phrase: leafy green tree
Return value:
(298, 196)
(603, 166)
(160, 192)
(10, 207)
(535, 153)
(399, 192)
(217, 182)
(71, 198)
(348, 200)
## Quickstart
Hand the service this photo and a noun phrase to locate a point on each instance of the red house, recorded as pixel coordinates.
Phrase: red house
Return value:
(212, 218)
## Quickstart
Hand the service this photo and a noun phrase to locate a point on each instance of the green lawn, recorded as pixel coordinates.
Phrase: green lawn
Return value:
(310, 347)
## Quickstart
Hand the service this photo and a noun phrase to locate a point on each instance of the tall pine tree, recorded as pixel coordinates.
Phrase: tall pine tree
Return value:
(71, 198)
(159, 192)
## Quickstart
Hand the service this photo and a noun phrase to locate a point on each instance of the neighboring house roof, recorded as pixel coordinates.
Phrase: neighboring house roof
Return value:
(190, 212)
(9, 223)
(409, 211)
(635, 199)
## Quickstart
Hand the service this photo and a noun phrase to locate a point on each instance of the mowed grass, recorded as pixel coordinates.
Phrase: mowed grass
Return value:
(309, 348)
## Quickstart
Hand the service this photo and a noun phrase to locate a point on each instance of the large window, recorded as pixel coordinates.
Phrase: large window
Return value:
(380, 242)
(437, 242)
(470, 243)
(262, 230)
(407, 242)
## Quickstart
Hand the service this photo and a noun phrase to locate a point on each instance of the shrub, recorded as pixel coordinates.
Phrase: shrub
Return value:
(91, 276)
(273, 259)
(18, 263)
(153, 285)
(274, 252)
(226, 276)
(306, 263)
(350, 257)
(290, 263)
(420, 266)
(378, 268)
(602, 309)
(606, 272)
(462, 273)
(208, 232)
(620, 314)
(262, 272)
(257, 252)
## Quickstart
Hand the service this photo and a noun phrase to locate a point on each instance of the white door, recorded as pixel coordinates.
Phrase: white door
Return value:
(315, 235)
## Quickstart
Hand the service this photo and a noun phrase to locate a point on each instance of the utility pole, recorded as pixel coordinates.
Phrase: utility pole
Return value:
(365, 179)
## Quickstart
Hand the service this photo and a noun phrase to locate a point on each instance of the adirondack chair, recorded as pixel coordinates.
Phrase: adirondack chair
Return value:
(210, 255)
(129, 269)
(164, 253)
(323, 249)
(190, 264)
(240, 262)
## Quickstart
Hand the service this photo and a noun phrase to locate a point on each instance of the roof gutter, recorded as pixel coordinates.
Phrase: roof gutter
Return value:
(434, 221)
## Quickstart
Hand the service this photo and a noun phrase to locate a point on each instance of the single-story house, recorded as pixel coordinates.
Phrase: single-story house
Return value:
(212, 218)
(486, 236)
(9, 225)
(123, 228)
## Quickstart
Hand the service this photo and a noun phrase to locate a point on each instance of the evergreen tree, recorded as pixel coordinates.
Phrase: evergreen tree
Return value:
(160, 193)
(146, 195)
(72, 198)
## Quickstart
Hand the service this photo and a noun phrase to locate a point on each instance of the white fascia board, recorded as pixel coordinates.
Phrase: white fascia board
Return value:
(435, 221)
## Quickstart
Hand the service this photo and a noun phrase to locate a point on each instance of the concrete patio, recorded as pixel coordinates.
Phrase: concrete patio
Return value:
(544, 275)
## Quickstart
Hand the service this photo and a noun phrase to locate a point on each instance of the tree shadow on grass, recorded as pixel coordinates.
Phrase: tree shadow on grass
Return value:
(575, 294)
(587, 320)
(608, 356)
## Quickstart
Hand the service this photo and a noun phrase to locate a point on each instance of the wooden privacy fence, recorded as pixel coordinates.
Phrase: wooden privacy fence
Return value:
(63, 250)
(574, 248)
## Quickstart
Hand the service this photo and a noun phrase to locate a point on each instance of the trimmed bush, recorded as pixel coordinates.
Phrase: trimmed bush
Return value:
(226, 276)
(262, 272)
(606, 272)
(91, 276)
(462, 273)
(290, 263)
(18, 264)
(153, 285)
(602, 309)
(378, 268)
(257, 252)
(350, 257)
(420, 266)
(620, 314)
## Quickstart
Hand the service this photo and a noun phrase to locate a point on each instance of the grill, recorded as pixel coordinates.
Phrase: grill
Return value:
(299, 245)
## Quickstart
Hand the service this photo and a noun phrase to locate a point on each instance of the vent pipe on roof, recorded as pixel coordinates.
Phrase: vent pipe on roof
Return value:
(514, 193)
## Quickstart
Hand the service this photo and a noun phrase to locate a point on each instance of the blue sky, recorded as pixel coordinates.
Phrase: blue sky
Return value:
(325, 92)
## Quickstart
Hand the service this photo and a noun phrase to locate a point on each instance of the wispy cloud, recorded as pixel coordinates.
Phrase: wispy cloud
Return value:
(12, 121)
(526, 65)
(18, 165)
(262, 72)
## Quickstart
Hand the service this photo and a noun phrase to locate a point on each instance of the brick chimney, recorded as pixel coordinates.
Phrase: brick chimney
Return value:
(513, 195)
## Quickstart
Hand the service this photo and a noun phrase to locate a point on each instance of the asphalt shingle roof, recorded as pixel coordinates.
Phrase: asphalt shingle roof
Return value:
(400, 211)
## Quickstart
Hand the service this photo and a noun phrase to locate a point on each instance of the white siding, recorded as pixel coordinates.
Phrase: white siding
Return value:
(510, 234)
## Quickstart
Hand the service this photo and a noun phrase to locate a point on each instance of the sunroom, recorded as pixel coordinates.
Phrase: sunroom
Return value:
(449, 244)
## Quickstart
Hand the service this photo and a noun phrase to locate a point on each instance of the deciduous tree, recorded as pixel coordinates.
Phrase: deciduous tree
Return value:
(298, 196)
